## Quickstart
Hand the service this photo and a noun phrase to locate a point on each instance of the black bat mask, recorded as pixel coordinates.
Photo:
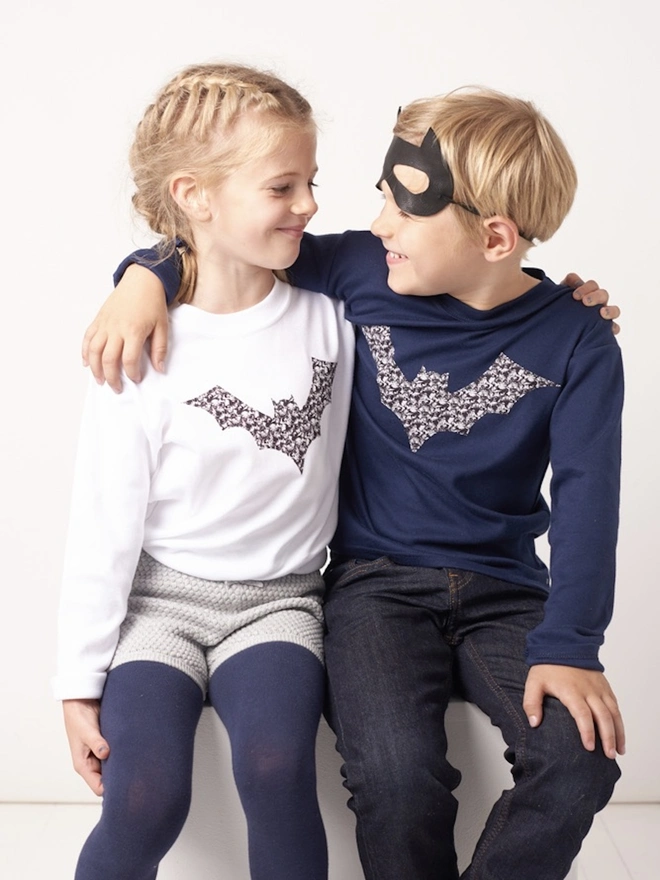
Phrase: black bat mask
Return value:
(427, 158)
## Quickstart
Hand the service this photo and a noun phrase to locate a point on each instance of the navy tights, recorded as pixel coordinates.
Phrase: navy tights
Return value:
(270, 699)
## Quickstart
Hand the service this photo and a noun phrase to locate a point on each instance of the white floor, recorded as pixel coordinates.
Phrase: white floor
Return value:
(41, 841)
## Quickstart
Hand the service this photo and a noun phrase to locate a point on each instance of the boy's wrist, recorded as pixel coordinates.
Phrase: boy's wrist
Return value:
(168, 271)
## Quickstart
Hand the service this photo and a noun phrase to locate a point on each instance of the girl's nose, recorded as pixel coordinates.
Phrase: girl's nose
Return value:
(306, 205)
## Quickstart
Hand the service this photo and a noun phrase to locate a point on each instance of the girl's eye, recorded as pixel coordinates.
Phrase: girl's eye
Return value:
(285, 188)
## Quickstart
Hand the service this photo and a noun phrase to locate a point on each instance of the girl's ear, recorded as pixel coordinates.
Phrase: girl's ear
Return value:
(190, 197)
(501, 238)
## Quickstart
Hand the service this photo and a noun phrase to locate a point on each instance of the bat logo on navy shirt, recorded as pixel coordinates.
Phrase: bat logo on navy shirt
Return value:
(291, 429)
(426, 407)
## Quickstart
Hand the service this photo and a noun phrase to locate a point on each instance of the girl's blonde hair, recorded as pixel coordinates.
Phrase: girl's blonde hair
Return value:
(190, 129)
(504, 156)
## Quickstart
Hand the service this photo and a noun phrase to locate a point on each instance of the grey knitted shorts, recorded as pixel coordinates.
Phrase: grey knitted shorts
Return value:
(195, 625)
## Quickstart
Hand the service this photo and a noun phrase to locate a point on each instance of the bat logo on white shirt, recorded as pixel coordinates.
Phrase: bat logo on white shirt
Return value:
(426, 407)
(291, 429)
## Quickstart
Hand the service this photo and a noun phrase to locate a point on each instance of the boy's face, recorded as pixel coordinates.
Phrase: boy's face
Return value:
(425, 255)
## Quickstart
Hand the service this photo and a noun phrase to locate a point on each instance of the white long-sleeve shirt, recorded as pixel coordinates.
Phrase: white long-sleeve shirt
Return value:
(224, 468)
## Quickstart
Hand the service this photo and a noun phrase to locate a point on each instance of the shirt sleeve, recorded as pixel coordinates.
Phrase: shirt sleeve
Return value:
(585, 459)
(106, 528)
(167, 270)
(313, 270)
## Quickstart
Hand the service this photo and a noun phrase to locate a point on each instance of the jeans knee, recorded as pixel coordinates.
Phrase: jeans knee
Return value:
(595, 775)
(568, 773)
(408, 784)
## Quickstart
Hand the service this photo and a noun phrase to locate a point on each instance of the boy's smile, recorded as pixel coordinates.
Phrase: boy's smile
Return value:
(425, 255)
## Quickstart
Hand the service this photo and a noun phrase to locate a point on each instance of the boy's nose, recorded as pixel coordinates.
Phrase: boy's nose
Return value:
(379, 226)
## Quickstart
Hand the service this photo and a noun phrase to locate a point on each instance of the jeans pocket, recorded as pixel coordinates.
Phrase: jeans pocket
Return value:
(345, 571)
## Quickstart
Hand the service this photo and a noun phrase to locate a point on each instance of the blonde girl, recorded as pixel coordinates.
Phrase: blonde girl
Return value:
(205, 497)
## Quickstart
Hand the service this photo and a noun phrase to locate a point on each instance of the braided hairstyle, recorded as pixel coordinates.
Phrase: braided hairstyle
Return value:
(190, 129)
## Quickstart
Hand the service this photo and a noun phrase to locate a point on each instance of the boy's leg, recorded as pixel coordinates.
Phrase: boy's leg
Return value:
(149, 713)
(535, 829)
(270, 698)
(389, 672)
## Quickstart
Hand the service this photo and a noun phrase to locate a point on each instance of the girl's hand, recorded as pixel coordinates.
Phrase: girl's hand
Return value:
(590, 294)
(88, 748)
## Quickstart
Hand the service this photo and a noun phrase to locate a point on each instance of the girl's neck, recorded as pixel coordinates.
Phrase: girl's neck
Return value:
(224, 287)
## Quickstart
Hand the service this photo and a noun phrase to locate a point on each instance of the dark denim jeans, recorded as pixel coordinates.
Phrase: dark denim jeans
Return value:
(400, 640)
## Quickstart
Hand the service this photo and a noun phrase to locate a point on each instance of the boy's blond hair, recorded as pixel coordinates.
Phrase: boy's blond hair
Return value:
(190, 129)
(504, 156)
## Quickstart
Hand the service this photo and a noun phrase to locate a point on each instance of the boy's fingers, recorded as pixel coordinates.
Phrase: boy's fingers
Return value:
(594, 297)
(87, 338)
(610, 312)
(606, 730)
(585, 724)
(111, 362)
(533, 703)
(591, 294)
(159, 345)
(620, 734)
(573, 280)
(616, 726)
(131, 357)
(93, 355)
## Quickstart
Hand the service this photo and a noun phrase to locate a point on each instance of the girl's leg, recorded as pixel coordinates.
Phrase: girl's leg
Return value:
(149, 713)
(270, 698)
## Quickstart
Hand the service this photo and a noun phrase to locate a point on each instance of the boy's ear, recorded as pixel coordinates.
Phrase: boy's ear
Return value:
(501, 238)
(190, 197)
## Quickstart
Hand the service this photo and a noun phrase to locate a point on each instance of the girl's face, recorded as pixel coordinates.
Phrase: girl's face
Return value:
(258, 214)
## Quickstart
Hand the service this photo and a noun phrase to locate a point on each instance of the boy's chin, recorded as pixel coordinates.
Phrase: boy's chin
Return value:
(400, 288)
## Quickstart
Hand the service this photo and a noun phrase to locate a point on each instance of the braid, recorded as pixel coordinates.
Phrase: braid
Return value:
(178, 134)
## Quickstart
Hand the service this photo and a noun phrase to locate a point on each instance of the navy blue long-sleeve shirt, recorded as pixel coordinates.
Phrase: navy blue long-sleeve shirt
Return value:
(456, 415)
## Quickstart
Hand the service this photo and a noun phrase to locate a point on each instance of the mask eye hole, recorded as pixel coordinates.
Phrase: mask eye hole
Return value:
(414, 180)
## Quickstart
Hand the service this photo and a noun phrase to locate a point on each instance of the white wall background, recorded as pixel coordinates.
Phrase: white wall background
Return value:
(77, 76)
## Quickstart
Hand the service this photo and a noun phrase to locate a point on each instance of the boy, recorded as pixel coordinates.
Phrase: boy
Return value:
(461, 401)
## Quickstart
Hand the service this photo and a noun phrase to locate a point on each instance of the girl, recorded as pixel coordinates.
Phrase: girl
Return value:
(204, 498)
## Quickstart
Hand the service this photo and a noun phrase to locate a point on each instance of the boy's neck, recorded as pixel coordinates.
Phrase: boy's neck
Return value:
(496, 285)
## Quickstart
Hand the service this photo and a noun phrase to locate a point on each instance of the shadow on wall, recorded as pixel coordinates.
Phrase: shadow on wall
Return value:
(213, 845)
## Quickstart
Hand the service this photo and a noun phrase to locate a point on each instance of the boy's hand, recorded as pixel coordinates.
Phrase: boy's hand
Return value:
(591, 294)
(588, 697)
(88, 748)
(135, 311)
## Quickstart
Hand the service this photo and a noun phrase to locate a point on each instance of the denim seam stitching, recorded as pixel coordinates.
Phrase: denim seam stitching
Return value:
(521, 757)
